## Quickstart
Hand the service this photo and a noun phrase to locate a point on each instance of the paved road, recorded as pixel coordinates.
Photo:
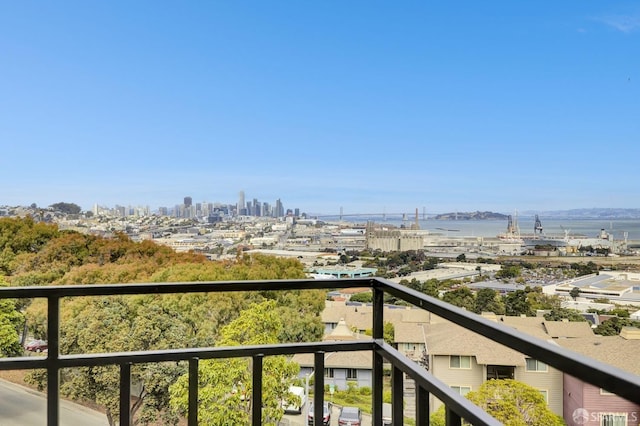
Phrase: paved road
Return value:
(20, 406)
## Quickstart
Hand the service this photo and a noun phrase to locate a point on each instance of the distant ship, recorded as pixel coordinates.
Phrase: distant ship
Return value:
(512, 235)
(539, 238)
(603, 240)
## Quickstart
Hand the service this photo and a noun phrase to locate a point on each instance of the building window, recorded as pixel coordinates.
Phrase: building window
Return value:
(545, 395)
(459, 361)
(605, 392)
(462, 390)
(352, 374)
(613, 419)
(500, 372)
(535, 365)
(328, 372)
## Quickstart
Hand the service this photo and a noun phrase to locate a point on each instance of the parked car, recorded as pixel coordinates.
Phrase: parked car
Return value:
(350, 416)
(36, 345)
(299, 399)
(326, 413)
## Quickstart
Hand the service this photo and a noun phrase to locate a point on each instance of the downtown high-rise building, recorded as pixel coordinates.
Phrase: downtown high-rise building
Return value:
(241, 205)
(279, 209)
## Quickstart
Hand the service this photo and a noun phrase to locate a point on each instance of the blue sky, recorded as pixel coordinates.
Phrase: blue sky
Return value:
(367, 105)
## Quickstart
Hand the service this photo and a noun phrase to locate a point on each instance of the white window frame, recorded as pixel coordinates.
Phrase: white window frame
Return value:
(545, 394)
(620, 417)
(605, 392)
(328, 372)
(460, 364)
(538, 366)
(462, 390)
(351, 374)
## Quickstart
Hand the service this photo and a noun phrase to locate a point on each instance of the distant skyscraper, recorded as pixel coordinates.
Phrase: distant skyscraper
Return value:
(241, 205)
(279, 210)
(188, 201)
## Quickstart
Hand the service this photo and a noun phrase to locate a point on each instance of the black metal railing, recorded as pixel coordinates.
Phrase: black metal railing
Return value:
(457, 407)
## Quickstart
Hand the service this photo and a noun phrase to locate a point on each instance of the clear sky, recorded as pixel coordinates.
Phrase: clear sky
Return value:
(367, 105)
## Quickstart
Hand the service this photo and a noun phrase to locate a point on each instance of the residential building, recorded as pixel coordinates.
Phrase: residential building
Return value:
(464, 360)
(588, 405)
(341, 368)
(460, 357)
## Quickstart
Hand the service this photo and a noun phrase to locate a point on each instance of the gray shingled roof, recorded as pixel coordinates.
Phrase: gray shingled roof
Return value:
(409, 332)
(571, 329)
(613, 350)
(450, 339)
(357, 359)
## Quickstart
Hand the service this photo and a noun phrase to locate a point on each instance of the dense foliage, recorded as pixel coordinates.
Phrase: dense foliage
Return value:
(33, 253)
(511, 402)
(225, 384)
(68, 208)
(613, 326)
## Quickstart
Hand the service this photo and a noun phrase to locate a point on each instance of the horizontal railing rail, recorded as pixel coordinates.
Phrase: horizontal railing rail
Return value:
(457, 407)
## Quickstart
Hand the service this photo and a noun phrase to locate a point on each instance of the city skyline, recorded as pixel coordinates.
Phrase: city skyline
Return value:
(362, 106)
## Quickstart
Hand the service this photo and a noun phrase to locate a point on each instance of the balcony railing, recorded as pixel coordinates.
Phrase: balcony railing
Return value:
(457, 407)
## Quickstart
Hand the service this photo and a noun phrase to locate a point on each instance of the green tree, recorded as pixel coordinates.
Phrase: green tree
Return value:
(69, 208)
(388, 332)
(559, 314)
(363, 297)
(488, 300)
(613, 326)
(574, 293)
(622, 313)
(461, 297)
(429, 287)
(514, 403)
(226, 385)
(511, 402)
(539, 300)
(516, 304)
(508, 272)
(11, 321)
(120, 324)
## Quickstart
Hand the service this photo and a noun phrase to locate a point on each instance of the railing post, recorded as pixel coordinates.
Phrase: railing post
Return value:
(53, 372)
(376, 417)
(452, 418)
(256, 391)
(422, 406)
(193, 392)
(378, 313)
(318, 388)
(397, 395)
(125, 394)
(378, 334)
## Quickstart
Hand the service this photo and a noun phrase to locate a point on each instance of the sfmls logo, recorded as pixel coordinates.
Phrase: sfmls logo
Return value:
(582, 416)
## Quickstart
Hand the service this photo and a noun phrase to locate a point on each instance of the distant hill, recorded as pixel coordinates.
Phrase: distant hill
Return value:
(471, 216)
(587, 213)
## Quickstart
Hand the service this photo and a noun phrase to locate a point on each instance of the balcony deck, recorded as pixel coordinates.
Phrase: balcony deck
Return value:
(457, 407)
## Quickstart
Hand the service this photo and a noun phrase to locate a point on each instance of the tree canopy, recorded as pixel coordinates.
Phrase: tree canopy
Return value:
(613, 326)
(226, 385)
(511, 402)
(68, 208)
(35, 253)
(11, 322)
